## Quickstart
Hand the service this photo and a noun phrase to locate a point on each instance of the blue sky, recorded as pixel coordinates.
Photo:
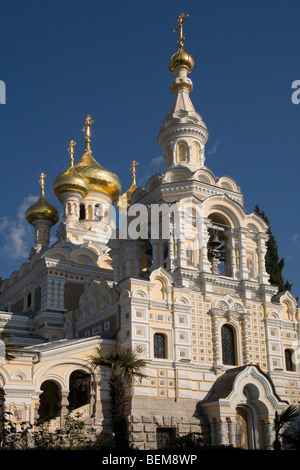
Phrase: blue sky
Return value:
(62, 60)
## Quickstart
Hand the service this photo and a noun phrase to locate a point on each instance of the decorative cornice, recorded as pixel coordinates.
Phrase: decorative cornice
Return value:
(179, 128)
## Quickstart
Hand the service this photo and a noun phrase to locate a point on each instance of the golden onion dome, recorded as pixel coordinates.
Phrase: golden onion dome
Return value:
(70, 180)
(42, 209)
(181, 57)
(98, 178)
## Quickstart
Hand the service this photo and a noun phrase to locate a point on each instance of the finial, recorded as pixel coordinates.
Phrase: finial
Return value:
(181, 20)
(42, 181)
(71, 152)
(133, 170)
(88, 123)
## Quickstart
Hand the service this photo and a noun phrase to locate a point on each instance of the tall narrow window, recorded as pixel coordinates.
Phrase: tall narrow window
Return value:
(97, 212)
(288, 360)
(228, 345)
(182, 153)
(159, 346)
(82, 211)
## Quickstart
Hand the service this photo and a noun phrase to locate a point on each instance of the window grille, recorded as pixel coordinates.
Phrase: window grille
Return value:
(159, 346)
(228, 346)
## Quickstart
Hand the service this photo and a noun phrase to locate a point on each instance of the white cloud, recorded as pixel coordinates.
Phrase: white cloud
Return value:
(155, 164)
(214, 149)
(17, 234)
(296, 240)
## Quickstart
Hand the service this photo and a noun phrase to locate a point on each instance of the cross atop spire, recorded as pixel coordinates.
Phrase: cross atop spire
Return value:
(133, 170)
(42, 181)
(88, 123)
(71, 151)
(181, 20)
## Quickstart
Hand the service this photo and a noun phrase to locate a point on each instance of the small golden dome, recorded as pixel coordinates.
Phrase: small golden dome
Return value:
(42, 209)
(181, 58)
(125, 200)
(98, 178)
(68, 181)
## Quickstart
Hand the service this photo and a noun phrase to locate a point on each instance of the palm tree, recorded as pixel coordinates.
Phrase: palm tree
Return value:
(124, 364)
(280, 420)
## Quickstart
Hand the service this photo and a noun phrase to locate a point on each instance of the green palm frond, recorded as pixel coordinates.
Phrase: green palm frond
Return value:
(124, 360)
(283, 418)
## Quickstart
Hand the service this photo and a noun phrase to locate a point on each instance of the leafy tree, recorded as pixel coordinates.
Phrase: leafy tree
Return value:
(124, 365)
(274, 265)
(280, 421)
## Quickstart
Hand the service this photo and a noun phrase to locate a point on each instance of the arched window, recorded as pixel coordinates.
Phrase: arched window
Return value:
(189, 253)
(182, 153)
(82, 211)
(288, 360)
(228, 345)
(50, 400)
(97, 212)
(160, 350)
(79, 386)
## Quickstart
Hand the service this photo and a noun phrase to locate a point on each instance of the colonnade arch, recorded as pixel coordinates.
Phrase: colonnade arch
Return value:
(73, 390)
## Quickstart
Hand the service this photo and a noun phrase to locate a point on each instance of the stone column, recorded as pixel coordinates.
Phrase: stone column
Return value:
(216, 339)
(203, 237)
(231, 432)
(171, 250)
(155, 262)
(128, 265)
(221, 433)
(137, 259)
(62, 294)
(49, 293)
(64, 405)
(213, 433)
(232, 245)
(268, 435)
(242, 253)
(263, 276)
(56, 287)
(246, 338)
(181, 253)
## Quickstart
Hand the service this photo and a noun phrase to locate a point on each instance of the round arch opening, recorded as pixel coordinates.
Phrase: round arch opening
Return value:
(50, 401)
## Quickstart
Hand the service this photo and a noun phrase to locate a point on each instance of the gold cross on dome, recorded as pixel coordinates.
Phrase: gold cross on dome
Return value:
(88, 123)
(71, 151)
(132, 168)
(181, 20)
(42, 181)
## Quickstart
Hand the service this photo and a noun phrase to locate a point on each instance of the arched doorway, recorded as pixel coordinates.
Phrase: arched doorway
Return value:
(248, 416)
(244, 428)
(246, 396)
(50, 400)
(79, 389)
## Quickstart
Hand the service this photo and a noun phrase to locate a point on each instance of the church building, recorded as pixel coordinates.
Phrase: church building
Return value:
(176, 270)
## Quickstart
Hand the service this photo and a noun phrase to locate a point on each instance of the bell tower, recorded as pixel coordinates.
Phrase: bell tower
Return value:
(183, 134)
